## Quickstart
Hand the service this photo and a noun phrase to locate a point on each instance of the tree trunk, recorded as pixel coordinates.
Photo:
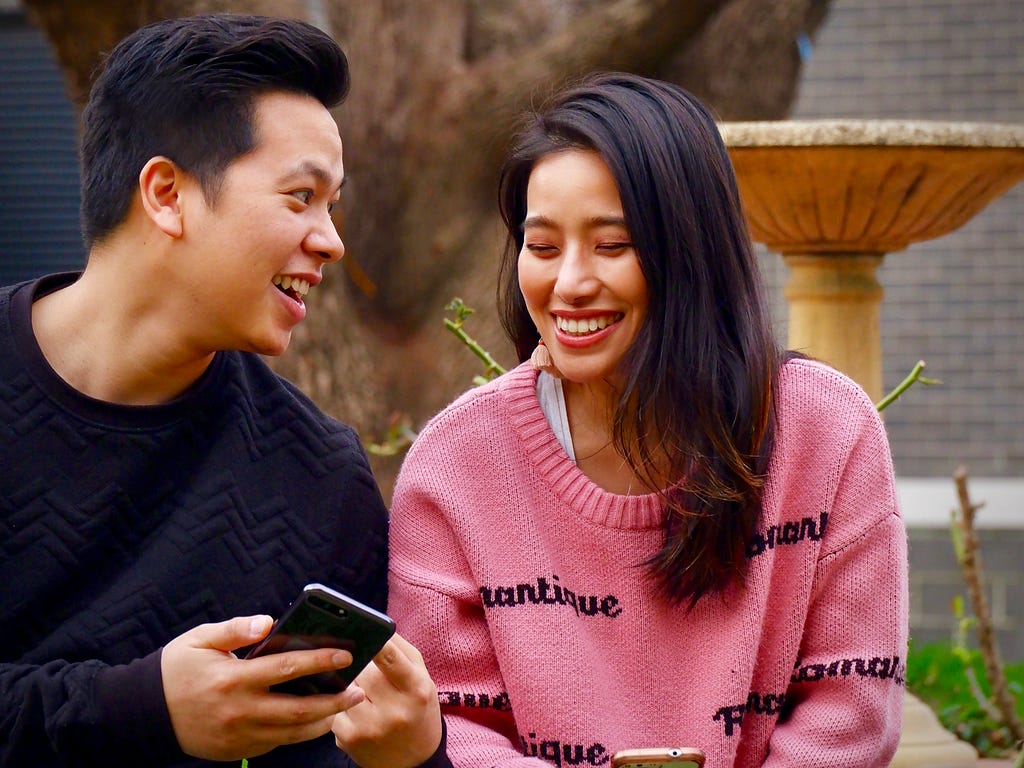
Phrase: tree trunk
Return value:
(436, 89)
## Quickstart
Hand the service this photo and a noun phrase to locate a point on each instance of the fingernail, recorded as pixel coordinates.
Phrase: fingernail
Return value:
(257, 627)
(355, 695)
(341, 659)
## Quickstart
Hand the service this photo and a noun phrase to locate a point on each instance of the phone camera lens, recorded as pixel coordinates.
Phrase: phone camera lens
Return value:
(328, 607)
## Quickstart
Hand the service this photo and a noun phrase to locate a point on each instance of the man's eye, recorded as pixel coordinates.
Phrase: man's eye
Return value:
(332, 206)
(305, 195)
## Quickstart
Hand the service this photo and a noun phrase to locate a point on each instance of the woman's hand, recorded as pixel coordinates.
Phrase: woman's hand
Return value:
(398, 725)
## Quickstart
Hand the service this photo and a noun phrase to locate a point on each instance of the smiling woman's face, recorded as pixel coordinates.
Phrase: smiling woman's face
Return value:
(578, 271)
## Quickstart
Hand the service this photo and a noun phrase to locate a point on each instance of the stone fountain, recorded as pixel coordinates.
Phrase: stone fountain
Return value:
(833, 197)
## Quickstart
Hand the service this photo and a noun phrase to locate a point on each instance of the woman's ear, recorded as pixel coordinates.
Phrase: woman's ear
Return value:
(160, 186)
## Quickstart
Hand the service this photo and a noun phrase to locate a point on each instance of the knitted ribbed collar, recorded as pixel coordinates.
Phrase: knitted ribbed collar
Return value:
(556, 469)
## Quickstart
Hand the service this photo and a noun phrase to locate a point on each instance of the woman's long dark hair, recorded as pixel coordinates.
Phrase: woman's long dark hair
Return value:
(699, 380)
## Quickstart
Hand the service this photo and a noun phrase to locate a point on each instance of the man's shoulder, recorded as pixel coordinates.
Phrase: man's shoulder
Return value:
(272, 395)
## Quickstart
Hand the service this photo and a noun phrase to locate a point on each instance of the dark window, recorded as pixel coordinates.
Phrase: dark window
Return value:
(39, 197)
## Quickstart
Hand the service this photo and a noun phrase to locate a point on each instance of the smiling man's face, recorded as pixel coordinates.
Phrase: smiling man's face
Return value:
(262, 244)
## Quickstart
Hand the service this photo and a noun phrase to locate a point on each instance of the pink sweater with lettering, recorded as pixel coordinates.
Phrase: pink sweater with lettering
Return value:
(518, 579)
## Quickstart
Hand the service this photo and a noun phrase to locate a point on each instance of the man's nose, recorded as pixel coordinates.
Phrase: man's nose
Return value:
(325, 240)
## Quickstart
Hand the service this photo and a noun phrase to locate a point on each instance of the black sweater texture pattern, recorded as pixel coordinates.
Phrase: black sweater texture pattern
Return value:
(123, 527)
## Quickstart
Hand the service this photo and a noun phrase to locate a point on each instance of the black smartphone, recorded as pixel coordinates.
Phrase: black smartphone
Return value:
(321, 617)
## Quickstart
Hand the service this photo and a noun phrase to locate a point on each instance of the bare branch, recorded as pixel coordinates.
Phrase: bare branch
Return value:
(970, 566)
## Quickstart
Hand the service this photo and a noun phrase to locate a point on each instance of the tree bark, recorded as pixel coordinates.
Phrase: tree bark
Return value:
(436, 90)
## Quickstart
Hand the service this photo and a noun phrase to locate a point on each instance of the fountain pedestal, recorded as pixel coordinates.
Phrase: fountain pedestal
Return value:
(834, 309)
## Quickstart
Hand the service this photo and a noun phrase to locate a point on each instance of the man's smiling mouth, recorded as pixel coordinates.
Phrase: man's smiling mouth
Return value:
(294, 287)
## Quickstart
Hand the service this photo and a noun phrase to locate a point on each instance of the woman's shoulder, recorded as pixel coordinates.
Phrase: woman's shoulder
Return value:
(496, 397)
(806, 383)
(484, 410)
(821, 403)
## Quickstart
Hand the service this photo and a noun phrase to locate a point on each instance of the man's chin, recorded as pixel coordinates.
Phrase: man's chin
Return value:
(272, 347)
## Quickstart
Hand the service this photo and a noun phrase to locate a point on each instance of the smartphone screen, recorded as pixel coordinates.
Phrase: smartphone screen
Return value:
(322, 617)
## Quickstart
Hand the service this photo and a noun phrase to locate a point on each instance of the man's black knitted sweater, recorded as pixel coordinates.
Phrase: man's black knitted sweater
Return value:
(123, 527)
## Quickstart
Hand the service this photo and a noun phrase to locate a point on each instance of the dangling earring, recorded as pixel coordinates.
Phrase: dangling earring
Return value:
(541, 360)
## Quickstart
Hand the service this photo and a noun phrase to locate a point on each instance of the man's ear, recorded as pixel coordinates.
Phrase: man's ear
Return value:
(160, 186)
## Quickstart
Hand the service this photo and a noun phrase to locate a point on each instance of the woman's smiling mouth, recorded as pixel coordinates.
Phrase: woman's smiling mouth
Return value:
(586, 325)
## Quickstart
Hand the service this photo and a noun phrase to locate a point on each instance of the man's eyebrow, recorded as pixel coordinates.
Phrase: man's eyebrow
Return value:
(321, 174)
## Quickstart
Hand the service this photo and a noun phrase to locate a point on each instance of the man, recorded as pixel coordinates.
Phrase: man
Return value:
(163, 493)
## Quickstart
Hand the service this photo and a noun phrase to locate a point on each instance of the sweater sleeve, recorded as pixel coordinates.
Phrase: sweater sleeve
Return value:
(85, 714)
(437, 606)
(844, 702)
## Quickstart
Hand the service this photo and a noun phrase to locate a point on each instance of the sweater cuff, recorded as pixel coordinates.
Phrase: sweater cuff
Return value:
(133, 711)
(440, 757)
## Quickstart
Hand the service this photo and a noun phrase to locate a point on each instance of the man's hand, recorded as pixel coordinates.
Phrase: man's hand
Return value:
(399, 723)
(220, 705)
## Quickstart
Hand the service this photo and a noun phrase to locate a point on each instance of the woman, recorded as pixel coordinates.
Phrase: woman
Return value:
(661, 531)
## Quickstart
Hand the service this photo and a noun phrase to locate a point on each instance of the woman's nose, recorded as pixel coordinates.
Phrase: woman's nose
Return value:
(576, 279)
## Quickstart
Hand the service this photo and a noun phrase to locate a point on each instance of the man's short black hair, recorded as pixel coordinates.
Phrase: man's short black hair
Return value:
(185, 88)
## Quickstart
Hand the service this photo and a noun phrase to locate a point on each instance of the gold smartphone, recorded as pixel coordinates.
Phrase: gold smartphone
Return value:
(665, 757)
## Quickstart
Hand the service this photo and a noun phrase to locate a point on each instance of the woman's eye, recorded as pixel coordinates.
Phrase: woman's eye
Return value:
(332, 206)
(305, 195)
(539, 249)
(614, 247)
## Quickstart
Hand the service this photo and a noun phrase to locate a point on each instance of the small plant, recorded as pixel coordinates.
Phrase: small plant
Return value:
(996, 694)
(400, 432)
(491, 368)
(903, 386)
(398, 439)
(941, 675)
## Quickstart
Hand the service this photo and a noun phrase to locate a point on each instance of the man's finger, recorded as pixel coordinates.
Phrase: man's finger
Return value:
(231, 634)
(283, 710)
(275, 668)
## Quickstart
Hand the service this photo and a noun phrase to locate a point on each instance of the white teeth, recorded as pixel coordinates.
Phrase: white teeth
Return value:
(584, 326)
(296, 284)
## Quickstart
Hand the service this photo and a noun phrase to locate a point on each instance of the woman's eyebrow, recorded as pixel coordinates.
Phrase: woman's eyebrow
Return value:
(539, 220)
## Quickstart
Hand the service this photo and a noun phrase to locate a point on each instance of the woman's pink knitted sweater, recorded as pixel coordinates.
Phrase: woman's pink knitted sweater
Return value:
(519, 580)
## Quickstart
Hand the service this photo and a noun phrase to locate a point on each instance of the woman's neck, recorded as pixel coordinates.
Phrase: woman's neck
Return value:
(590, 409)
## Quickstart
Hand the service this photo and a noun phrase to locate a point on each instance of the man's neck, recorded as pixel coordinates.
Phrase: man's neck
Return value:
(111, 337)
